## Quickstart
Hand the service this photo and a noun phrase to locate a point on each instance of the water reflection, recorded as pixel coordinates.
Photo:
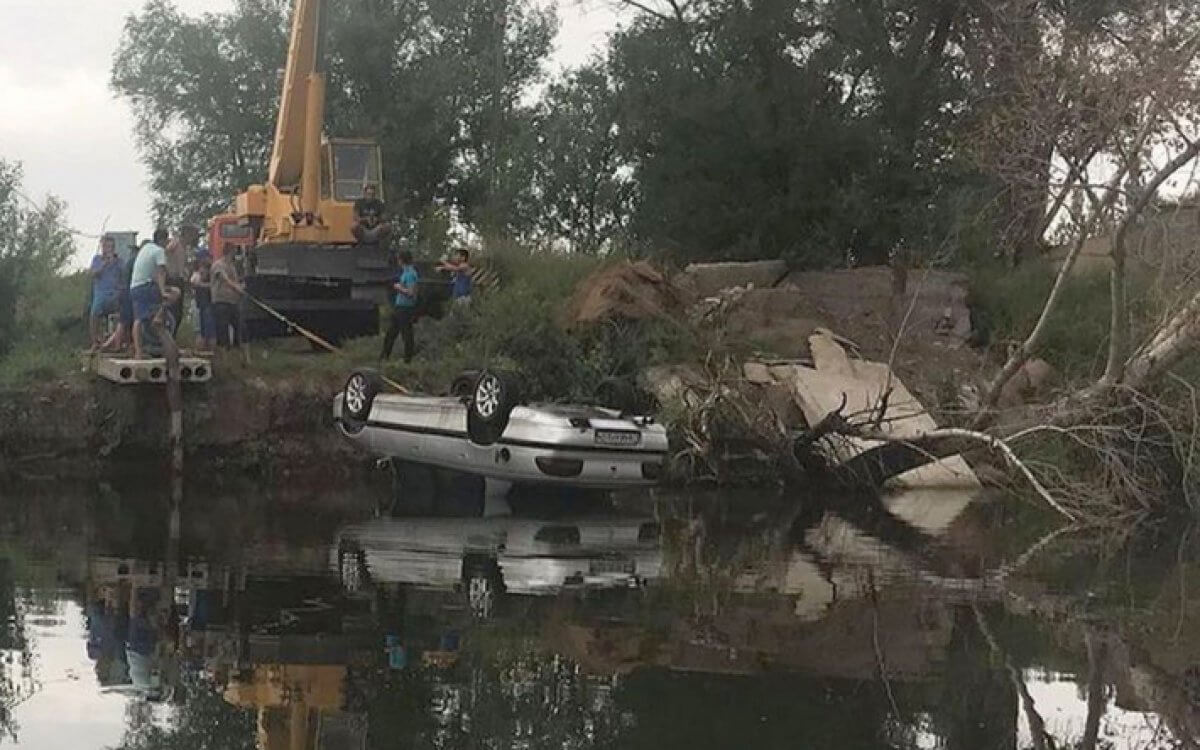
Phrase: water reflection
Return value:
(239, 619)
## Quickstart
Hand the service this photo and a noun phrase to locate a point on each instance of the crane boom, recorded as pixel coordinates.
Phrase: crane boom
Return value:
(295, 155)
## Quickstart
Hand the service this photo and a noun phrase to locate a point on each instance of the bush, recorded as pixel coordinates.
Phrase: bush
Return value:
(519, 326)
(34, 245)
(51, 329)
(1005, 305)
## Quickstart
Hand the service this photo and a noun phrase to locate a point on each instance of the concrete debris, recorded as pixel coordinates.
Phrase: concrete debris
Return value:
(757, 373)
(708, 279)
(819, 390)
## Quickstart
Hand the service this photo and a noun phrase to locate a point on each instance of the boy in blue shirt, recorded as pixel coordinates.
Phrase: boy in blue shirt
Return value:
(460, 267)
(404, 308)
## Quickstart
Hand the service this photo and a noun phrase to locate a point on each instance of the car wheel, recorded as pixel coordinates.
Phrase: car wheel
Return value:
(357, 397)
(484, 587)
(462, 385)
(493, 397)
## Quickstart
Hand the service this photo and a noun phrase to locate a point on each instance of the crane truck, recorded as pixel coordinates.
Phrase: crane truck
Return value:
(294, 231)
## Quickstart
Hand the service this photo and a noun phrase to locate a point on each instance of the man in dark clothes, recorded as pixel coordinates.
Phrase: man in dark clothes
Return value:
(121, 337)
(179, 254)
(369, 226)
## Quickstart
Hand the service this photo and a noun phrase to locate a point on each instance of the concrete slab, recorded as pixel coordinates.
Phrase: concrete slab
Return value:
(128, 371)
(819, 390)
(710, 278)
(757, 373)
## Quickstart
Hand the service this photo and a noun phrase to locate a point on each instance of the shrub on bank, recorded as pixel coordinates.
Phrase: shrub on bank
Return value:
(51, 329)
(1006, 303)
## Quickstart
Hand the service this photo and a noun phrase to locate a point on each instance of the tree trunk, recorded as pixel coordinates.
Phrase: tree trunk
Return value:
(1118, 342)
(1097, 651)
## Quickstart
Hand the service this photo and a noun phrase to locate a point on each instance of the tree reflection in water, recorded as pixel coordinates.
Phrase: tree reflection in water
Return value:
(832, 630)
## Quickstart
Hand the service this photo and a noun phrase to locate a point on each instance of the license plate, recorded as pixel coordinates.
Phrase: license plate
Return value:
(598, 567)
(618, 437)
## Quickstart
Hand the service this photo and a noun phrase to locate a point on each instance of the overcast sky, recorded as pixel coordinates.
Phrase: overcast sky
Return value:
(60, 119)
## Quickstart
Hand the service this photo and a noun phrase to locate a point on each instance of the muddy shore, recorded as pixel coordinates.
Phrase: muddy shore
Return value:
(246, 425)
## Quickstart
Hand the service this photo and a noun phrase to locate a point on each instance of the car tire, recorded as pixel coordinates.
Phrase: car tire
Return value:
(462, 386)
(358, 395)
(483, 586)
(492, 399)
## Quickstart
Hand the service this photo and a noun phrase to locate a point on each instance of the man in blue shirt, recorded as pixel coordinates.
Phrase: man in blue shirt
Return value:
(404, 308)
(460, 267)
(106, 286)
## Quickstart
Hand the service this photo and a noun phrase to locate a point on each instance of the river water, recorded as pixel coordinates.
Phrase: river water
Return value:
(252, 617)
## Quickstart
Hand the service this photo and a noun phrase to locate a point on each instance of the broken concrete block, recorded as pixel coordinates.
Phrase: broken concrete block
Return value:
(710, 278)
(757, 373)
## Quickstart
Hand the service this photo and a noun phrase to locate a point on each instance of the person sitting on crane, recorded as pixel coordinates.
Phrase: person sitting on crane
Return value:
(369, 226)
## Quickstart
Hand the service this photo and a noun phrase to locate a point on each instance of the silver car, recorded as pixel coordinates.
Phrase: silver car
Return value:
(486, 432)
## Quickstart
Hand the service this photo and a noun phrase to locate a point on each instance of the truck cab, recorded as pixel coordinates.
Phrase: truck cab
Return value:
(228, 234)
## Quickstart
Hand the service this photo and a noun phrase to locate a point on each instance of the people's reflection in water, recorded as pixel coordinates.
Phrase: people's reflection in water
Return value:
(131, 634)
(143, 638)
(107, 628)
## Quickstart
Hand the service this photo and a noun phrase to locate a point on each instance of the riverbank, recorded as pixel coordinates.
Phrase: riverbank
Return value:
(571, 336)
(577, 331)
(258, 426)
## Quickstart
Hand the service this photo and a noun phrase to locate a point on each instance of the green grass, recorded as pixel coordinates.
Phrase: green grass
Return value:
(1007, 303)
(52, 332)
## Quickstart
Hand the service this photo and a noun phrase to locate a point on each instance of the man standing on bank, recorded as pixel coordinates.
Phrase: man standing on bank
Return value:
(106, 287)
(148, 287)
(226, 289)
(404, 308)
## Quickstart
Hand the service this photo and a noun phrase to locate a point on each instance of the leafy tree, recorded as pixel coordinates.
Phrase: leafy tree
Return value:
(34, 243)
(204, 93)
(438, 85)
(203, 721)
(582, 191)
(435, 83)
(807, 129)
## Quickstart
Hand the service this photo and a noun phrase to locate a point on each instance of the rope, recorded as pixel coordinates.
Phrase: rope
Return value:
(293, 326)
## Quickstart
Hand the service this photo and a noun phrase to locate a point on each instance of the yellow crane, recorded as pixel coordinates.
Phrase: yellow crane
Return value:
(296, 227)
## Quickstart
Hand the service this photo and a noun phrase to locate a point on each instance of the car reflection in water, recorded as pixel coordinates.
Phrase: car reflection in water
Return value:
(490, 558)
(573, 622)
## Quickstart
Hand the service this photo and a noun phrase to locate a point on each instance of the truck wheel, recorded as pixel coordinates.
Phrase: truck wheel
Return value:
(352, 568)
(357, 397)
(483, 585)
(492, 400)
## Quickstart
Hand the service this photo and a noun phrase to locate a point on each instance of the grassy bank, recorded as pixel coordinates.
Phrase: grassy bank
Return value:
(518, 325)
(51, 332)
(1005, 305)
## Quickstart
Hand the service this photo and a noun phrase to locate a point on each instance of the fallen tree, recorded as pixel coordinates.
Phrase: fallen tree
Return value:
(1135, 92)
